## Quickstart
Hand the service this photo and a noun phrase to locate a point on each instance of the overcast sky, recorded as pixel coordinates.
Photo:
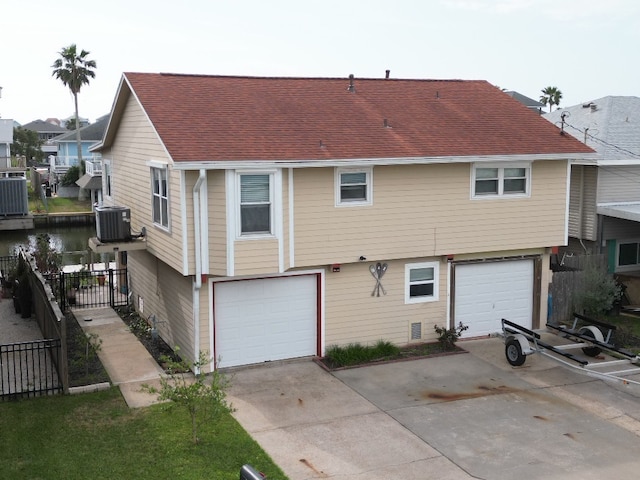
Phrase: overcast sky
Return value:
(586, 48)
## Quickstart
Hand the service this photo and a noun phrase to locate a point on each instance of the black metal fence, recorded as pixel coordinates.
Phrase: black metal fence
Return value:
(91, 288)
(27, 369)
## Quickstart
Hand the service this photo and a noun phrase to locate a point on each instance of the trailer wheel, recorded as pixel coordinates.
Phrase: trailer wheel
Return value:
(513, 352)
(590, 351)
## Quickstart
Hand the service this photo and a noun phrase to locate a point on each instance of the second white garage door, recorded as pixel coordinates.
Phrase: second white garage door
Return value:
(485, 293)
(265, 319)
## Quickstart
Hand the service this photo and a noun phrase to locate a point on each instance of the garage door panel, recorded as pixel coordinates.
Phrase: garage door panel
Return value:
(487, 292)
(265, 319)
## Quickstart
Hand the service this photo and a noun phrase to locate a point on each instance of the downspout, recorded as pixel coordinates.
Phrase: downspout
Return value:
(197, 232)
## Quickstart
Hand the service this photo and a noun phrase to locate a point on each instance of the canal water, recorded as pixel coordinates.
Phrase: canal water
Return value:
(72, 242)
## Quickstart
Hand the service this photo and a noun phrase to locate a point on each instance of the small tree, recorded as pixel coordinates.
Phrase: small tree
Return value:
(27, 143)
(598, 291)
(203, 396)
(47, 258)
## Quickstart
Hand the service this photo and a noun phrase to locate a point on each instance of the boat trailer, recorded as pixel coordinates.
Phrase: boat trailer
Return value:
(521, 342)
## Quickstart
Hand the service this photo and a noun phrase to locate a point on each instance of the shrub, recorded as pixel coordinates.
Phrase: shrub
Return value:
(598, 293)
(356, 353)
(449, 336)
(71, 176)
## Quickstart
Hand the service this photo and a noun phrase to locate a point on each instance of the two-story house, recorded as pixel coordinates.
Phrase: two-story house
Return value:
(604, 207)
(46, 131)
(284, 215)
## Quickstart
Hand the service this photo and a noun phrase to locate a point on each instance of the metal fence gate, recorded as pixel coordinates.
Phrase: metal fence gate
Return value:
(27, 369)
(91, 289)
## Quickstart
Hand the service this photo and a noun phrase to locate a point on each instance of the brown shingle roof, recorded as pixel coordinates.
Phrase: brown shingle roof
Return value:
(252, 118)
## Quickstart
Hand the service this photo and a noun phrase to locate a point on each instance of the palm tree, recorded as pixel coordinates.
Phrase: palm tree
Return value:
(74, 70)
(551, 96)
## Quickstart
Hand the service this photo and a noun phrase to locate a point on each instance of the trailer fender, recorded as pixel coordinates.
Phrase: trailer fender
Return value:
(595, 333)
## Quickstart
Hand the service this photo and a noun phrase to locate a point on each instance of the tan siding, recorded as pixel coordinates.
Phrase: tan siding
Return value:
(582, 204)
(354, 315)
(136, 143)
(590, 222)
(256, 256)
(618, 183)
(167, 295)
(424, 210)
(217, 222)
(575, 201)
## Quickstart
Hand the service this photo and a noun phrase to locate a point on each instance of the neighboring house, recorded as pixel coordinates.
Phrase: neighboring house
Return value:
(46, 132)
(285, 215)
(68, 148)
(530, 103)
(68, 156)
(71, 122)
(604, 208)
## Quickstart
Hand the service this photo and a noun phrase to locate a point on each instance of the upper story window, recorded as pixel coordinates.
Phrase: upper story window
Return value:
(421, 282)
(160, 192)
(256, 201)
(353, 186)
(508, 180)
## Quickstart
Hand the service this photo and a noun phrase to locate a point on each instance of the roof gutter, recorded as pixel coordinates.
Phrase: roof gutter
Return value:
(584, 158)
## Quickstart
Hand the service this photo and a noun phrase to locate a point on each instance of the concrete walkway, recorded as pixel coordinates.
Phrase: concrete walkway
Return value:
(14, 328)
(126, 360)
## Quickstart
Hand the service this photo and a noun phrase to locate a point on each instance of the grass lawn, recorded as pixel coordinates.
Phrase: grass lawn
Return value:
(59, 205)
(97, 436)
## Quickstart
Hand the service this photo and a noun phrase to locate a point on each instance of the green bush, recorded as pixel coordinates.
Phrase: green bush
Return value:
(598, 293)
(71, 176)
(356, 353)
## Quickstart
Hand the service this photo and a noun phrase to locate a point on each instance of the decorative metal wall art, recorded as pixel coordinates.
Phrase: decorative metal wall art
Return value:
(377, 271)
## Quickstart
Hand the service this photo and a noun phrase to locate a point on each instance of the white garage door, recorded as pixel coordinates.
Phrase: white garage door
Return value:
(266, 319)
(485, 293)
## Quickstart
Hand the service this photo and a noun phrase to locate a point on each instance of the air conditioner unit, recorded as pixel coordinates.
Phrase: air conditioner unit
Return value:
(13, 196)
(113, 224)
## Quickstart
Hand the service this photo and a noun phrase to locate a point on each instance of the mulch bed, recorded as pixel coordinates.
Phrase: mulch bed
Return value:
(157, 347)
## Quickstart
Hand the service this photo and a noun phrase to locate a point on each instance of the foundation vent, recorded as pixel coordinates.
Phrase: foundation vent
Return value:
(416, 331)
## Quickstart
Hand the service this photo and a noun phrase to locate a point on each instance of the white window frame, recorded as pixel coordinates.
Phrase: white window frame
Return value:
(239, 233)
(153, 168)
(368, 171)
(501, 167)
(408, 299)
(630, 267)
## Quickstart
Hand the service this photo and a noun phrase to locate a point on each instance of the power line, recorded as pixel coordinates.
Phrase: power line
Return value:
(599, 140)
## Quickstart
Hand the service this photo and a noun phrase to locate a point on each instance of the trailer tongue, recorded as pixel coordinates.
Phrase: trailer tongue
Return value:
(521, 342)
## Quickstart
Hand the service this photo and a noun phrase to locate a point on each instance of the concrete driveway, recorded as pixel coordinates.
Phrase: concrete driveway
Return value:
(453, 417)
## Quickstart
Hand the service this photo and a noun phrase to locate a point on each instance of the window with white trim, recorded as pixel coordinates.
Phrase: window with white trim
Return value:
(353, 186)
(628, 257)
(256, 202)
(421, 282)
(160, 195)
(496, 181)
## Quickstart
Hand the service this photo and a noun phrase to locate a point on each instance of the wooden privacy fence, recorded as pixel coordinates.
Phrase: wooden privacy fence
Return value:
(567, 280)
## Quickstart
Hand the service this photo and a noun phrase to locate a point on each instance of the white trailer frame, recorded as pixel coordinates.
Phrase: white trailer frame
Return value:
(521, 342)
